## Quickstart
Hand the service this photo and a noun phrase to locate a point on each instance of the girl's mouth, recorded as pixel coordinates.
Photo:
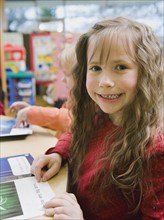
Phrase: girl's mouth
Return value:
(111, 96)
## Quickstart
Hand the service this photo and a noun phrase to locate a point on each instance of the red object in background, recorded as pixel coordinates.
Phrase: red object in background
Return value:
(14, 53)
(2, 111)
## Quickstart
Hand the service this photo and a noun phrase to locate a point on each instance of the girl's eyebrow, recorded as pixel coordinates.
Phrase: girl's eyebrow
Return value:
(123, 59)
(93, 62)
(116, 61)
(120, 61)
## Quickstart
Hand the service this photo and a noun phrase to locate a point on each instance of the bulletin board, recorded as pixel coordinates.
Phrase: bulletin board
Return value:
(42, 49)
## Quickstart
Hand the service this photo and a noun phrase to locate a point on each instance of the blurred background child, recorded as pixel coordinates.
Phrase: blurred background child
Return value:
(57, 119)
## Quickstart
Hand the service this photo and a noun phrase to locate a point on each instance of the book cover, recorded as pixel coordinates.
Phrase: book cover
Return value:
(21, 196)
(15, 167)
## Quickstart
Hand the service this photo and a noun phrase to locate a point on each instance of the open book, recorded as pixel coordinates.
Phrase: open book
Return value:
(21, 196)
(7, 128)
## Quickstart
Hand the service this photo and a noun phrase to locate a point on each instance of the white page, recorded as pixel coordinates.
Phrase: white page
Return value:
(32, 195)
(21, 131)
(19, 165)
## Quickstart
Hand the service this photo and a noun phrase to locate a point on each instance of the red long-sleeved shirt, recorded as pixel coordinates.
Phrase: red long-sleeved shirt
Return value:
(150, 207)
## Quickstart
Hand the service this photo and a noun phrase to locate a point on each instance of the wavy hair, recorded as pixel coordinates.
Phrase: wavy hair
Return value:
(142, 118)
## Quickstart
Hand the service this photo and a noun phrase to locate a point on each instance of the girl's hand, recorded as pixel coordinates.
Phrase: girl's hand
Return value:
(46, 166)
(64, 207)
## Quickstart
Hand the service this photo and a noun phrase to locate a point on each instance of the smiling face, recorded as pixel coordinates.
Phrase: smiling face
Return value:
(112, 76)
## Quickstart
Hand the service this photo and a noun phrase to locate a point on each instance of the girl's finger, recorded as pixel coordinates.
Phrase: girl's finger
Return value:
(50, 212)
(70, 197)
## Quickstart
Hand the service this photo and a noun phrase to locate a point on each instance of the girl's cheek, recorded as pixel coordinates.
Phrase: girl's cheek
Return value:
(131, 79)
(89, 80)
(88, 84)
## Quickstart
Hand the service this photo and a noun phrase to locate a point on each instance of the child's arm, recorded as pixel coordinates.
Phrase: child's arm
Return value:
(50, 117)
(62, 147)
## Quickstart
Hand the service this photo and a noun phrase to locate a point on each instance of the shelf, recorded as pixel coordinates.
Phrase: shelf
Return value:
(20, 74)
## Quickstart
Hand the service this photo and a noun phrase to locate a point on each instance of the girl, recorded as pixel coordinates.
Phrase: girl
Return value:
(116, 148)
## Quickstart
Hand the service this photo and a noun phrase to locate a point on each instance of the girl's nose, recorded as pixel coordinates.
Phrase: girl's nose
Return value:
(106, 82)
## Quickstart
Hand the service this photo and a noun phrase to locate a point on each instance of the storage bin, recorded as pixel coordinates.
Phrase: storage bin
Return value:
(20, 87)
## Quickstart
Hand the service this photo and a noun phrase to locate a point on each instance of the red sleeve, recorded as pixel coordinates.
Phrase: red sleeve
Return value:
(152, 206)
(62, 147)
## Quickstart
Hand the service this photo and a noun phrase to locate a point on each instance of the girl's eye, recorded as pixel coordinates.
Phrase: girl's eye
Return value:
(95, 68)
(120, 67)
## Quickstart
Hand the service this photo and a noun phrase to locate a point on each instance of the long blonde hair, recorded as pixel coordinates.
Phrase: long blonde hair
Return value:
(142, 119)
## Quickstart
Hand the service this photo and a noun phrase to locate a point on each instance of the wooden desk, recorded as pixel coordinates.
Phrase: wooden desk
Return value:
(36, 144)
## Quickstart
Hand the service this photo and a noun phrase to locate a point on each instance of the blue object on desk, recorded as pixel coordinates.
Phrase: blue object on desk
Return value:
(6, 172)
(7, 128)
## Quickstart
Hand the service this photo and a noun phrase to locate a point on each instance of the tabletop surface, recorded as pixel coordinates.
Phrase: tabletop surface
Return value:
(35, 144)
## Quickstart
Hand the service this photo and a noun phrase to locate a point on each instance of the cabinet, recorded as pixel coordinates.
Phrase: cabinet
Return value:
(20, 87)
